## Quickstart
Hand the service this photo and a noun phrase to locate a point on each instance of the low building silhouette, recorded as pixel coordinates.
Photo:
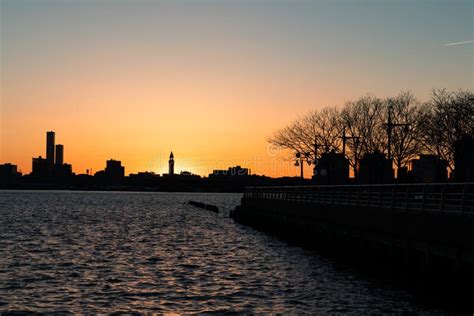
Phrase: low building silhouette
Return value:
(403, 175)
(144, 179)
(375, 168)
(9, 174)
(60, 172)
(41, 168)
(83, 181)
(189, 174)
(464, 159)
(233, 179)
(230, 172)
(114, 169)
(429, 168)
(114, 173)
(331, 168)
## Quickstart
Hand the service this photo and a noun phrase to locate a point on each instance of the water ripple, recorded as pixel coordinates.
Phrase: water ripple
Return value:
(77, 252)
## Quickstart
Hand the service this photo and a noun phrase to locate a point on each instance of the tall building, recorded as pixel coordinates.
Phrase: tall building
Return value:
(59, 155)
(171, 165)
(50, 147)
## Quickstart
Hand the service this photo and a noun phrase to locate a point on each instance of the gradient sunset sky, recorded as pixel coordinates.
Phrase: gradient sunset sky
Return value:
(210, 80)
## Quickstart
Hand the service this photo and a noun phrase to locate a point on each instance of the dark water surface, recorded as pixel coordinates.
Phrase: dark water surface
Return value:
(151, 252)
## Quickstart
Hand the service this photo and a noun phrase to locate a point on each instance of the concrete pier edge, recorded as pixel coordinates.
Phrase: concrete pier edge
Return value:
(429, 253)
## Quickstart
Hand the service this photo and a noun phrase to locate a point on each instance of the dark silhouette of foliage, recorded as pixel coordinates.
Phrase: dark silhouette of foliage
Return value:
(448, 117)
(430, 127)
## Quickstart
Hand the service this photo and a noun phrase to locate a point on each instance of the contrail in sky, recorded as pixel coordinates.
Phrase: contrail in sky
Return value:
(459, 43)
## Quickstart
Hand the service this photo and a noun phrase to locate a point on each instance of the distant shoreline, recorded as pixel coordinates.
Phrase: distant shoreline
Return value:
(49, 189)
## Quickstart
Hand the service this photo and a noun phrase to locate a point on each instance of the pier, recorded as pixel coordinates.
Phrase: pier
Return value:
(422, 233)
(444, 197)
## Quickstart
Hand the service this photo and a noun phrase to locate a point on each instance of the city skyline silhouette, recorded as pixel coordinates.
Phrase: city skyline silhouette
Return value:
(236, 157)
(211, 80)
(401, 136)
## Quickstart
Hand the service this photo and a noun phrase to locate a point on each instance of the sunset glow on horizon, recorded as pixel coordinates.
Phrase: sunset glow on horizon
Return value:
(209, 80)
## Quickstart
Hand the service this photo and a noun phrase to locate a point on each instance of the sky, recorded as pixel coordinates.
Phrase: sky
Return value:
(212, 79)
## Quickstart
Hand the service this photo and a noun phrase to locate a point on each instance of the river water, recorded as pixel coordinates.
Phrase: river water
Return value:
(103, 252)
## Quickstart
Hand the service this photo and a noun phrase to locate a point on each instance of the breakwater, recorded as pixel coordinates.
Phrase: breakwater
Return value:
(420, 233)
(205, 206)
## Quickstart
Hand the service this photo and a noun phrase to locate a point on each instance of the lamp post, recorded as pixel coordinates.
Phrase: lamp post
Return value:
(356, 140)
(300, 157)
(345, 138)
(389, 125)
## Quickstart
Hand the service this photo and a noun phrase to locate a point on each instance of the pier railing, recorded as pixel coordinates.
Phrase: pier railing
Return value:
(437, 197)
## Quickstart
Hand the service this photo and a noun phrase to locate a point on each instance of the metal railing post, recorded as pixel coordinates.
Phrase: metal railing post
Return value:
(463, 197)
(442, 197)
(441, 202)
(380, 197)
(407, 194)
(423, 198)
(392, 202)
(358, 196)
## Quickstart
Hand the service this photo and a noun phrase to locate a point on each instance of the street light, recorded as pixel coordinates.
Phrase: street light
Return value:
(389, 126)
(346, 138)
(300, 156)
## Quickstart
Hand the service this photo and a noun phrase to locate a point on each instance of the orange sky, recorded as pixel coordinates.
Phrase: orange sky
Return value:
(204, 136)
(209, 80)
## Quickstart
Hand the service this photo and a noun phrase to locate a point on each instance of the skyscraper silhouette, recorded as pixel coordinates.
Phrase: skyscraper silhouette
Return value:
(171, 165)
(50, 147)
(59, 155)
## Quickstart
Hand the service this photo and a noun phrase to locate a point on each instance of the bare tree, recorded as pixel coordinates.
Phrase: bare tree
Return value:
(317, 127)
(450, 116)
(432, 127)
(290, 137)
(327, 126)
(406, 113)
(363, 121)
